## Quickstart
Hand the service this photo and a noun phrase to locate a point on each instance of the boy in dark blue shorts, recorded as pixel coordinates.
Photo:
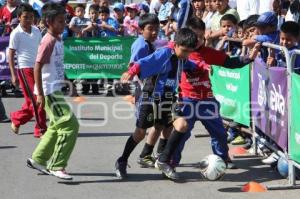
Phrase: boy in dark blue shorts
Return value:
(164, 67)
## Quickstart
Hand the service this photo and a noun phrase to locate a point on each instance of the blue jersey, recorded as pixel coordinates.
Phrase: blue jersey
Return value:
(280, 58)
(166, 67)
(140, 49)
(183, 13)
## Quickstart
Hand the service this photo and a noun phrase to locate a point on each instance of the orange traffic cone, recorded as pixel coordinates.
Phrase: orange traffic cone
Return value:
(237, 151)
(253, 187)
(79, 99)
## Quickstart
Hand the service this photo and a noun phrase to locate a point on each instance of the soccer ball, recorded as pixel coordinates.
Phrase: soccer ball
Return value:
(283, 168)
(212, 167)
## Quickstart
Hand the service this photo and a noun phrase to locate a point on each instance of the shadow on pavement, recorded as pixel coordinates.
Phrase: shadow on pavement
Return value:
(104, 134)
(7, 147)
(131, 178)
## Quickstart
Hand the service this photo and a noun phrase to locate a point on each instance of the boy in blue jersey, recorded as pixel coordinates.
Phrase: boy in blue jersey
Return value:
(267, 32)
(164, 67)
(142, 47)
(289, 34)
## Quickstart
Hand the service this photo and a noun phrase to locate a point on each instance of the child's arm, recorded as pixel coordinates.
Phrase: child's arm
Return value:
(73, 26)
(11, 62)
(240, 61)
(249, 42)
(106, 26)
(148, 66)
(89, 28)
(40, 101)
(13, 46)
(271, 61)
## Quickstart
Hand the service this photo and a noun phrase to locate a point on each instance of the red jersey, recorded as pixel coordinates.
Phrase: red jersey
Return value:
(196, 84)
(7, 15)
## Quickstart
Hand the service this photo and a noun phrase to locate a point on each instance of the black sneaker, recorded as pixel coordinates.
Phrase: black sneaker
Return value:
(121, 169)
(167, 170)
(5, 120)
(146, 162)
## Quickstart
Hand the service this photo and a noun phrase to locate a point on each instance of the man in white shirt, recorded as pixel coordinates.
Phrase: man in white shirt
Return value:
(246, 8)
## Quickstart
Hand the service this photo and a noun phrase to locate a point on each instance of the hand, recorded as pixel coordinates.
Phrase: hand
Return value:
(255, 50)
(126, 77)
(15, 81)
(40, 101)
(270, 61)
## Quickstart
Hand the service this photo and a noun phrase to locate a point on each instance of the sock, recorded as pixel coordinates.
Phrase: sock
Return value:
(171, 146)
(129, 147)
(161, 145)
(147, 150)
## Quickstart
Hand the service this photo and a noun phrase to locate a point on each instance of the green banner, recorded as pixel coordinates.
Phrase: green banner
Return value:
(96, 58)
(295, 128)
(231, 87)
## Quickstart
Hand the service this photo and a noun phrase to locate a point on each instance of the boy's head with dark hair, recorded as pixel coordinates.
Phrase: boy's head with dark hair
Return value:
(94, 12)
(228, 23)
(185, 42)
(249, 27)
(26, 16)
(195, 23)
(240, 30)
(198, 26)
(24, 7)
(289, 34)
(104, 13)
(149, 26)
(53, 16)
(79, 10)
(94, 7)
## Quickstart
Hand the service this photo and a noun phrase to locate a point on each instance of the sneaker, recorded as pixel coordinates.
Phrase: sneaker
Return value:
(239, 140)
(121, 169)
(230, 164)
(156, 155)
(146, 162)
(167, 170)
(230, 139)
(33, 165)
(14, 128)
(5, 120)
(62, 174)
(271, 159)
(248, 144)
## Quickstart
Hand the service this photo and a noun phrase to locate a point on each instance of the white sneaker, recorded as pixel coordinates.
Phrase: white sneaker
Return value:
(271, 159)
(32, 164)
(62, 174)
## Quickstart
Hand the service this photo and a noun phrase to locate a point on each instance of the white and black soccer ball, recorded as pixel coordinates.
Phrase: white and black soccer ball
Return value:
(212, 167)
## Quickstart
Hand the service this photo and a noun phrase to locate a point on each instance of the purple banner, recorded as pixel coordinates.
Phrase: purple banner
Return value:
(4, 68)
(269, 101)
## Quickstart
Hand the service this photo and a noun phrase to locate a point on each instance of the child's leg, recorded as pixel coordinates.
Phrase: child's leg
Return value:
(189, 111)
(2, 111)
(26, 80)
(212, 121)
(67, 127)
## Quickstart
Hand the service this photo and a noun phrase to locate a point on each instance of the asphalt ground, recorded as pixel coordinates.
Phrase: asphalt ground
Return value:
(106, 123)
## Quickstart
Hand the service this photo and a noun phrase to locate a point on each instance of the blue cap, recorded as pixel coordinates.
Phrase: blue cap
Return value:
(144, 7)
(267, 18)
(119, 6)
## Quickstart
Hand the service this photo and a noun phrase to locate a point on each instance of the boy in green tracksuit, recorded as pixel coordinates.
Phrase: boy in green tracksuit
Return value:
(53, 152)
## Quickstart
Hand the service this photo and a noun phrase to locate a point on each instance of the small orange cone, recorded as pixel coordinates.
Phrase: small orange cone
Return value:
(237, 151)
(129, 98)
(79, 99)
(253, 187)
